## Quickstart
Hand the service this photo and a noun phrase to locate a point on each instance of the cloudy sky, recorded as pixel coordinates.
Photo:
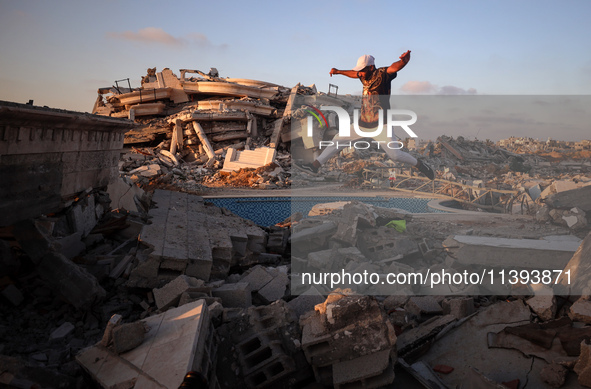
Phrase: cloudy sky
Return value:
(58, 53)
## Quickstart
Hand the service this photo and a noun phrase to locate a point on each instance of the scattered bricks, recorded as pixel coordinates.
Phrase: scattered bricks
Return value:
(369, 371)
(170, 293)
(443, 369)
(114, 321)
(256, 278)
(544, 306)
(128, 336)
(275, 289)
(382, 243)
(423, 306)
(234, 295)
(62, 332)
(12, 294)
(458, 307)
(583, 365)
(581, 311)
(554, 375)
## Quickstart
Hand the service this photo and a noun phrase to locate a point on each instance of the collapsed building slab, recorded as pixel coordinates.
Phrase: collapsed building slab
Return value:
(192, 238)
(550, 253)
(48, 156)
(178, 341)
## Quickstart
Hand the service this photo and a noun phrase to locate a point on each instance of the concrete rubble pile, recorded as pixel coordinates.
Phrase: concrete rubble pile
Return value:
(200, 129)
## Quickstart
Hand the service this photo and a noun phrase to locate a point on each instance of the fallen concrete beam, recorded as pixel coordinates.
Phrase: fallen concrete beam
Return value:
(143, 96)
(205, 143)
(552, 254)
(220, 88)
(580, 197)
(254, 107)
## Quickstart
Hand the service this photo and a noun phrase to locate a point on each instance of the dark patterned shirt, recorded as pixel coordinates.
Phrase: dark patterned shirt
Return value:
(376, 96)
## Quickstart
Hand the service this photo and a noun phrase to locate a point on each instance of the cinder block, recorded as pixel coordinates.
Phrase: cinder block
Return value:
(170, 293)
(424, 305)
(458, 307)
(275, 289)
(257, 278)
(364, 372)
(234, 295)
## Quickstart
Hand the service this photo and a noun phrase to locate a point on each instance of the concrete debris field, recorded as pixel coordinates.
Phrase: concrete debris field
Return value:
(117, 271)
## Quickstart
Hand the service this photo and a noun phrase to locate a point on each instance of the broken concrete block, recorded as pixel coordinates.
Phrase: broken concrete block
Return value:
(257, 277)
(234, 295)
(583, 365)
(547, 253)
(82, 216)
(73, 283)
(170, 293)
(423, 306)
(554, 375)
(236, 160)
(128, 336)
(275, 289)
(62, 332)
(458, 307)
(575, 218)
(122, 195)
(544, 306)
(179, 340)
(369, 371)
(353, 326)
(566, 199)
(581, 311)
(322, 259)
(381, 243)
(395, 301)
(113, 322)
(71, 245)
(12, 294)
(543, 214)
(306, 301)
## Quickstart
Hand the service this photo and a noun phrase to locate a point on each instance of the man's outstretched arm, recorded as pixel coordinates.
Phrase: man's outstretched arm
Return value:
(348, 73)
(398, 65)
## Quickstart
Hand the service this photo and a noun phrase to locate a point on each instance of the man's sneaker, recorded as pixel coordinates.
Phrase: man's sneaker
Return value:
(306, 168)
(425, 169)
